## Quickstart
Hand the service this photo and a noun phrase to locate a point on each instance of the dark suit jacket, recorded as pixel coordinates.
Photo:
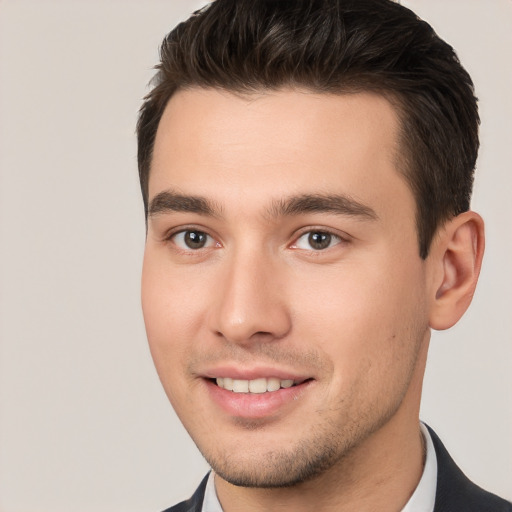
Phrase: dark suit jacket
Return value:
(454, 492)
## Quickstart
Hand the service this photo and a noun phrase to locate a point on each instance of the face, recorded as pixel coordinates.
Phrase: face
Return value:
(284, 297)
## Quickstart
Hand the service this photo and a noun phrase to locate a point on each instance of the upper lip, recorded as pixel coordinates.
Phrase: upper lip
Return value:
(255, 372)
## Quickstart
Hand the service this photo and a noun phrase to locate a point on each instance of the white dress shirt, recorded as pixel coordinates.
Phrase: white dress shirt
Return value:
(422, 499)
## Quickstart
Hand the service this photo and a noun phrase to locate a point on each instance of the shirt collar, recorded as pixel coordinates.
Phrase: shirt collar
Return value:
(424, 496)
(211, 502)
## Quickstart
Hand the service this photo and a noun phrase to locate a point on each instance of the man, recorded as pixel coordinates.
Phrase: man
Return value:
(306, 168)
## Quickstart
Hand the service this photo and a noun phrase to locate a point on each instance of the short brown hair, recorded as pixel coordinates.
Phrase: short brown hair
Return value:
(335, 46)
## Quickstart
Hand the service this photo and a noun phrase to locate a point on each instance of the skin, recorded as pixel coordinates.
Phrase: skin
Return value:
(352, 318)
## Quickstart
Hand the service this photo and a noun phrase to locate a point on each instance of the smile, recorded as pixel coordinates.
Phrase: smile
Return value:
(256, 386)
(256, 397)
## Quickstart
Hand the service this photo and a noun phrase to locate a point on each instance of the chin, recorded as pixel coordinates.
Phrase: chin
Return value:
(279, 472)
(289, 458)
(278, 468)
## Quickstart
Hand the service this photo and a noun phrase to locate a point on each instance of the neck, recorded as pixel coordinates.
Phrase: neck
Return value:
(380, 474)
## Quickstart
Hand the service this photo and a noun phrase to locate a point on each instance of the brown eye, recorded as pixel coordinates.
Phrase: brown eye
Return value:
(195, 239)
(192, 239)
(319, 240)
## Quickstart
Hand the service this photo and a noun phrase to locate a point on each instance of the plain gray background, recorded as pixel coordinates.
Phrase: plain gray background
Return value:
(84, 424)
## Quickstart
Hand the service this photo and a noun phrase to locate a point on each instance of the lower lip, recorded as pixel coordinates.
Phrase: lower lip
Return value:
(256, 405)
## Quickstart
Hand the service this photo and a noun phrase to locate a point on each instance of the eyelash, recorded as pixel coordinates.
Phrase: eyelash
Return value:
(171, 237)
(332, 239)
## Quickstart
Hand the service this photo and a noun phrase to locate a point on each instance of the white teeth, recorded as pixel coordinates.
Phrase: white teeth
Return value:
(228, 384)
(273, 384)
(257, 386)
(240, 386)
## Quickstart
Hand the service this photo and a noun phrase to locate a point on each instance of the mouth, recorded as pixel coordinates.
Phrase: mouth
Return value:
(255, 386)
(258, 397)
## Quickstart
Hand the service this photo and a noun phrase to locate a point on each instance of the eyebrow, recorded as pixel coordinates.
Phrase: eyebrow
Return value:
(170, 201)
(322, 203)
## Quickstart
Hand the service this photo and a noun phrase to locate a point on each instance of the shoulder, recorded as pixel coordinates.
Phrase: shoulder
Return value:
(195, 503)
(455, 492)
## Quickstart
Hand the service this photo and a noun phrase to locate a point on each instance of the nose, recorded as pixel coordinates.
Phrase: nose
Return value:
(250, 301)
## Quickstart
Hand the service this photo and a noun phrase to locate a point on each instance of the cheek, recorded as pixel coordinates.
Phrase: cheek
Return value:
(169, 307)
(344, 300)
(363, 317)
(171, 300)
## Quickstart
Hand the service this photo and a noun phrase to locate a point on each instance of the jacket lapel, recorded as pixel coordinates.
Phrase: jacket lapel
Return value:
(455, 492)
(195, 503)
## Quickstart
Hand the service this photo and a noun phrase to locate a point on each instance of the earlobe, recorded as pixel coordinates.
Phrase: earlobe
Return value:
(456, 258)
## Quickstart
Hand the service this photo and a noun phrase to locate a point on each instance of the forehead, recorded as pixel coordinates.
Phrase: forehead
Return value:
(213, 142)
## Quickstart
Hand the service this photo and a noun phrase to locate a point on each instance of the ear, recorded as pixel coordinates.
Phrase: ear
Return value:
(456, 254)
